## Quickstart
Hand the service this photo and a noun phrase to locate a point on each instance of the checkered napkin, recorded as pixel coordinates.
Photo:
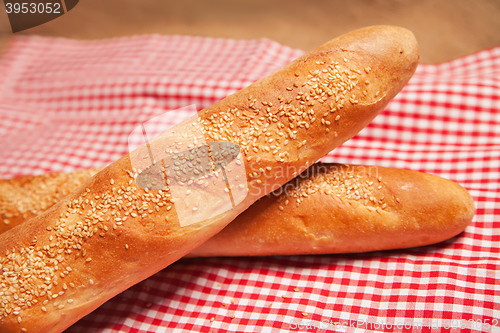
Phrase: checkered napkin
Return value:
(67, 105)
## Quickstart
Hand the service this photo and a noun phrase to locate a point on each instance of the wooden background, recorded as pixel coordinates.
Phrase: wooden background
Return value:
(445, 29)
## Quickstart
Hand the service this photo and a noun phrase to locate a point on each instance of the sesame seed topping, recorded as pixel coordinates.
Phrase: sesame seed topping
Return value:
(320, 90)
(340, 181)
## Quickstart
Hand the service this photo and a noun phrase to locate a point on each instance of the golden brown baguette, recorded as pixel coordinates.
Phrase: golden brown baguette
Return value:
(335, 208)
(111, 233)
(329, 208)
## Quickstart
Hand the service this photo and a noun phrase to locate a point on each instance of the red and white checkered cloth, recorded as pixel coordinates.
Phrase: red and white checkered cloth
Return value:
(67, 105)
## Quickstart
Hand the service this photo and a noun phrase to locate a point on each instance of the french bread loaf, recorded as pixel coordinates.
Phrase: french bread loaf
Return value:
(335, 208)
(328, 208)
(22, 198)
(123, 225)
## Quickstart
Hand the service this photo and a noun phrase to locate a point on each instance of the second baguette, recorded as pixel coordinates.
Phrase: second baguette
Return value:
(329, 208)
(22, 198)
(336, 208)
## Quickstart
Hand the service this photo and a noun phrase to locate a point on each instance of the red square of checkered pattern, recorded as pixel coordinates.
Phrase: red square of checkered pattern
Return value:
(67, 104)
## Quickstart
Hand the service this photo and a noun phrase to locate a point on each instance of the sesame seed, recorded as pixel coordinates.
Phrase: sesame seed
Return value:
(338, 182)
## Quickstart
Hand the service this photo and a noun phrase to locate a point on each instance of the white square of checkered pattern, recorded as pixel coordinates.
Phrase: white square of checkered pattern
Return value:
(68, 104)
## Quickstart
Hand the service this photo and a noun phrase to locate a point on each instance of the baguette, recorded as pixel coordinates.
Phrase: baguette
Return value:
(329, 208)
(25, 197)
(334, 208)
(122, 226)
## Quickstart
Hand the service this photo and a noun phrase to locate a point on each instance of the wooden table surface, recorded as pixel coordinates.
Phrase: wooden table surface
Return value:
(446, 29)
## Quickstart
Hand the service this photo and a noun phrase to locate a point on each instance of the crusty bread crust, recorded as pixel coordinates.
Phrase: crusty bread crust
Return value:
(110, 233)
